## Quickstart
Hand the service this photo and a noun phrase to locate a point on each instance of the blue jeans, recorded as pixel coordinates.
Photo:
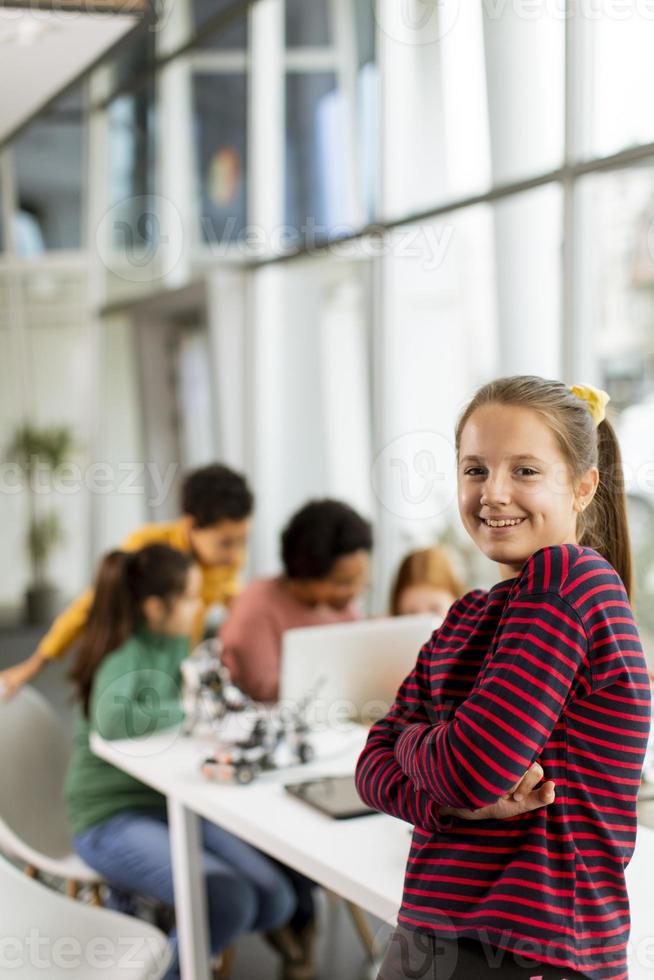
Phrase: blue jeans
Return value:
(246, 891)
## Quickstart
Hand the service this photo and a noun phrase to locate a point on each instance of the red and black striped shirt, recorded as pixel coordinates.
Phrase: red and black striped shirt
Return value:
(547, 666)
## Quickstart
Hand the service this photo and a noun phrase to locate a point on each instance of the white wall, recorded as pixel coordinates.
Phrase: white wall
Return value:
(46, 366)
(47, 371)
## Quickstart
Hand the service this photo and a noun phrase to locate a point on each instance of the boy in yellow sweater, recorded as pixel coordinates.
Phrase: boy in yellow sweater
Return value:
(217, 509)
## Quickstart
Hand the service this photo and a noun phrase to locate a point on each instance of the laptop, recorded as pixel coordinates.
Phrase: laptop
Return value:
(350, 672)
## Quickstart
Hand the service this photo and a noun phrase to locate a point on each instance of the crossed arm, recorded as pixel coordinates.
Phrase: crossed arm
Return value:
(412, 765)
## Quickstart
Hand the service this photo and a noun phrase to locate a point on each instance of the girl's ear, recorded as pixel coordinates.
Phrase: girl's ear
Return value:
(154, 611)
(586, 489)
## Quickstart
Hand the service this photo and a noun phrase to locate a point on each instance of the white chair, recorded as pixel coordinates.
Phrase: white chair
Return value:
(33, 763)
(45, 934)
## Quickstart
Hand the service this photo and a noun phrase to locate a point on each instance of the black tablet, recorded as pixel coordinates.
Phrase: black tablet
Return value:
(334, 795)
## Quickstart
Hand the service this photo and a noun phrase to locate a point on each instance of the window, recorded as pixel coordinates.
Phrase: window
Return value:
(49, 199)
(308, 24)
(131, 125)
(617, 301)
(233, 35)
(332, 131)
(135, 57)
(319, 193)
(220, 108)
(619, 72)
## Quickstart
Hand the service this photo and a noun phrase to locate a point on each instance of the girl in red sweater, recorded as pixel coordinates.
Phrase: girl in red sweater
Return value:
(515, 746)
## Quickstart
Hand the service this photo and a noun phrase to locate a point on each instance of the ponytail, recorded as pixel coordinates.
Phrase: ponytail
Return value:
(604, 525)
(123, 582)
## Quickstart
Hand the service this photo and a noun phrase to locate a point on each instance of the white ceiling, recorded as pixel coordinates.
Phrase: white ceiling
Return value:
(42, 51)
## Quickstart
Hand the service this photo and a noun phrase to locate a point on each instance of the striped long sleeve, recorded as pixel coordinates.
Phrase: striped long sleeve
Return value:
(546, 666)
(540, 656)
(380, 780)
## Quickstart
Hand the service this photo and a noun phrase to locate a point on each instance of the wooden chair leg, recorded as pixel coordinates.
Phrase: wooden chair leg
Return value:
(362, 927)
(224, 971)
(96, 897)
(72, 888)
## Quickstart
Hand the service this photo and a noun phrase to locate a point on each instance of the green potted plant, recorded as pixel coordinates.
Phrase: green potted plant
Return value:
(41, 450)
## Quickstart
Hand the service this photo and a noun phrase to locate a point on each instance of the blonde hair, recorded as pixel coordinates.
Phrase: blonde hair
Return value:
(429, 566)
(603, 524)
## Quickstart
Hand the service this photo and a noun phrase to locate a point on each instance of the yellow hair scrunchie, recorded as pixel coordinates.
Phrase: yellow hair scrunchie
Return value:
(595, 398)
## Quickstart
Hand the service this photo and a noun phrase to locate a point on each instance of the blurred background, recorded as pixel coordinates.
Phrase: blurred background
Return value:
(294, 235)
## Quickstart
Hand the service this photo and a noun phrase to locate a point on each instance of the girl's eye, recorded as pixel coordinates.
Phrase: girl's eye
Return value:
(474, 471)
(527, 471)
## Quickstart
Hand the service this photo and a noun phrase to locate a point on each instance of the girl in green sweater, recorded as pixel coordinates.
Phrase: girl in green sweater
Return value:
(127, 675)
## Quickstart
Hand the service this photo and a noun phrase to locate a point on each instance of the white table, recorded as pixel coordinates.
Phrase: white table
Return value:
(362, 860)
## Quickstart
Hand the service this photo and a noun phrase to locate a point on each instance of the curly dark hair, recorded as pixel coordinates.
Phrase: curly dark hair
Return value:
(215, 493)
(320, 533)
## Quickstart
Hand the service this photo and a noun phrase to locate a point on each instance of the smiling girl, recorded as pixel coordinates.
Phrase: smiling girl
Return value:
(515, 746)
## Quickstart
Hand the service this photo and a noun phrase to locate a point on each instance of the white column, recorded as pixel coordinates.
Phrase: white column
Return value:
(524, 75)
(345, 384)
(176, 205)
(226, 318)
(266, 117)
(265, 411)
(96, 205)
(413, 151)
(264, 303)
(525, 71)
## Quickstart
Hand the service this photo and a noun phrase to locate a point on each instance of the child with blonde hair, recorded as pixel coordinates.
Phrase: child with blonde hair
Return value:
(425, 582)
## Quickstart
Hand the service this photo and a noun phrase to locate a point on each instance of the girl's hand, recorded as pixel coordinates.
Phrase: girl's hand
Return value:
(520, 799)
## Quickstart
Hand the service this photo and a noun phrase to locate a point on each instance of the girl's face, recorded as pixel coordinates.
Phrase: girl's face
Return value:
(424, 599)
(512, 473)
(176, 618)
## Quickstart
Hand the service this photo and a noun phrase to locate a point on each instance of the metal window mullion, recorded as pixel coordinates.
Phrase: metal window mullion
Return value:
(312, 60)
(219, 63)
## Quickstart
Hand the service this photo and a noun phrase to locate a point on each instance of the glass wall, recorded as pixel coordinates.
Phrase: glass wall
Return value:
(131, 170)
(49, 180)
(416, 196)
(619, 71)
(219, 107)
(617, 306)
